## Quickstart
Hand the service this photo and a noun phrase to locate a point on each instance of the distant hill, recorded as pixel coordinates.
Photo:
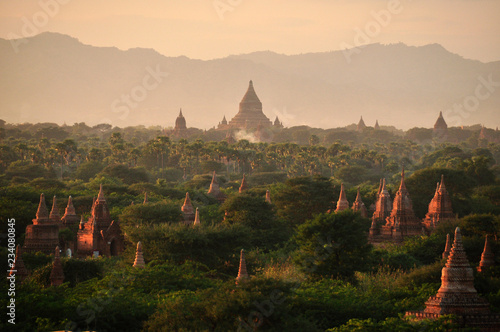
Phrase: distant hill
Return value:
(55, 78)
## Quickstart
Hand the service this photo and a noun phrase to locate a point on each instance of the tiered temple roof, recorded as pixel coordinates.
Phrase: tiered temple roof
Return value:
(383, 208)
(440, 123)
(358, 205)
(342, 203)
(214, 189)
(439, 207)
(99, 235)
(139, 259)
(487, 257)
(250, 113)
(457, 295)
(70, 218)
(402, 222)
(43, 234)
(361, 125)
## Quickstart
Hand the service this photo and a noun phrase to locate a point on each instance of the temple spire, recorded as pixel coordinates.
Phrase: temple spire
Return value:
(57, 274)
(243, 185)
(197, 218)
(54, 212)
(100, 196)
(145, 197)
(447, 247)
(487, 257)
(342, 203)
(242, 271)
(358, 205)
(70, 209)
(139, 259)
(42, 212)
(268, 196)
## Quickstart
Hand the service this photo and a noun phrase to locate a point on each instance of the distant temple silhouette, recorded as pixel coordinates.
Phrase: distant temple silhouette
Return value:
(250, 114)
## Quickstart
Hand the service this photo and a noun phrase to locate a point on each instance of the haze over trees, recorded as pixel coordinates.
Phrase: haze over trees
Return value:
(309, 270)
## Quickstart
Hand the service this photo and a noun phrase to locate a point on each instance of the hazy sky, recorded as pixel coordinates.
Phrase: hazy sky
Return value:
(207, 29)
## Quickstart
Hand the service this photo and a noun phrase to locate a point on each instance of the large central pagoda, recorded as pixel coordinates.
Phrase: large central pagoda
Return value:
(250, 114)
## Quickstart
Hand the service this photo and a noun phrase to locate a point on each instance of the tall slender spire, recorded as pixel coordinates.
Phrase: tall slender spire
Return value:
(457, 295)
(439, 208)
(242, 271)
(145, 197)
(342, 203)
(70, 209)
(243, 185)
(57, 274)
(214, 185)
(447, 247)
(100, 196)
(42, 212)
(139, 259)
(487, 257)
(197, 218)
(54, 212)
(358, 205)
(268, 196)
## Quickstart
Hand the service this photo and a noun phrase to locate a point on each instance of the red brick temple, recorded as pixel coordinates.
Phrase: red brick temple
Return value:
(439, 208)
(457, 295)
(99, 235)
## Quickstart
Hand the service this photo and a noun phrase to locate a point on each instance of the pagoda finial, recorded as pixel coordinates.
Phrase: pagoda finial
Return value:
(487, 257)
(197, 218)
(54, 212)
(447, 247)
(139, 259)
(70, 209)
(342, 203)
(180, 112)
(42, 212)
(145, 197)
(358, 205)
(268, 196)
(100, 196)
(242, 271)
(243, 185)
(442, 186)
(57, 274)
(402, 186)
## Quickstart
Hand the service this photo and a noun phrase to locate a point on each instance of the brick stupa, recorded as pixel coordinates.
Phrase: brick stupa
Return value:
(244, 185)
(70, 218)
(57, 274)
(383, 208)
(242, 271)
(100, 235)
(402, 222)
(342, 203)
(487, 257)
(439, 208)
(43, 234)
(250, 113)
(358, 205)
(214, 189)
(139, 259)
(187, 210)
(457, 295)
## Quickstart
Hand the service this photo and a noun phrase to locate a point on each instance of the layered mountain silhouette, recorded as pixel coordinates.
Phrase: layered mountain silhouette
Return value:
(56, 78)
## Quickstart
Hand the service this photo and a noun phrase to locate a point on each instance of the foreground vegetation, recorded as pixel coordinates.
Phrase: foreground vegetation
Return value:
(311, 271)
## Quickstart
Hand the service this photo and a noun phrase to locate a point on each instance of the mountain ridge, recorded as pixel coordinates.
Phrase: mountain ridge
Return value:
(56, 78)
